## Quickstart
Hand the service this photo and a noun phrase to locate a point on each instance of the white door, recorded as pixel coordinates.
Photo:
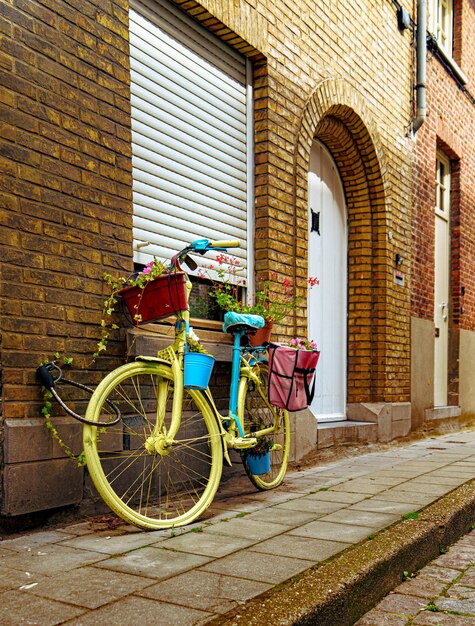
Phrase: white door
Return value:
(327, 301)
(441, 280)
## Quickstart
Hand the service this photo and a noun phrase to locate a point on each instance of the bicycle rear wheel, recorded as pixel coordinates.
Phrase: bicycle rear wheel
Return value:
(141, 476)
(256, 413)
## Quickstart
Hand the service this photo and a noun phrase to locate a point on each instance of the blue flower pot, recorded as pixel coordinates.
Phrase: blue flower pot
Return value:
(198, 368)
(258, 465)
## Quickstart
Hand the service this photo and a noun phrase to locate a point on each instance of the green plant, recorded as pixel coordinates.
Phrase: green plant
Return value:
(80, 458)
(274, 298)
(432, 607)
(262, 447)
(414, 515)
(194, 343)
(152, 270)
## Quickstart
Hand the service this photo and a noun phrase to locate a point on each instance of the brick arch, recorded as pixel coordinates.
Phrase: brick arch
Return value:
(334, 115)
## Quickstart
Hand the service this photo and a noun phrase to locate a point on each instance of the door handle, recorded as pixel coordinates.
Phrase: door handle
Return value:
(445, 308)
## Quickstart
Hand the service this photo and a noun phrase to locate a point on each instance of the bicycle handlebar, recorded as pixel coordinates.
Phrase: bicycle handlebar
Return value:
(229, 243)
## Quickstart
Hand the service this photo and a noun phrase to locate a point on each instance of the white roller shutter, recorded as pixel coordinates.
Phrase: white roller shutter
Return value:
(190, 142)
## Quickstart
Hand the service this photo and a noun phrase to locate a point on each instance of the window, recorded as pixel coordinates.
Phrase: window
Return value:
(442, 186)
(442, 24)
(191, 135)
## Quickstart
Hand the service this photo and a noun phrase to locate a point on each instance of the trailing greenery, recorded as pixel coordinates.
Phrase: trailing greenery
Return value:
(80, 458)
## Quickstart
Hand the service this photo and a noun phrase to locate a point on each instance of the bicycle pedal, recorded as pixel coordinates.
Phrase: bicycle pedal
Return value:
(241, 443)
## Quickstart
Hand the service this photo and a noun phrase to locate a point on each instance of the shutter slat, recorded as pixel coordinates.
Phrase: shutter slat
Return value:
(188, 134)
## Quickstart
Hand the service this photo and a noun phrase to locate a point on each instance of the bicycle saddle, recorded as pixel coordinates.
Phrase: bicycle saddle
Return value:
(233, 320)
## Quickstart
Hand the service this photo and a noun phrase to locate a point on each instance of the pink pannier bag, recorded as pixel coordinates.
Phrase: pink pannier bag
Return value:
(291, 373)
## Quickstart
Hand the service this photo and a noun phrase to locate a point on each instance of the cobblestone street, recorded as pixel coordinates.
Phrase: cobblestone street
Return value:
(441, 594)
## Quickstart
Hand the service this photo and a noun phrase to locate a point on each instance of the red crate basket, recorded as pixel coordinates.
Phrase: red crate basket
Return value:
(161, 297)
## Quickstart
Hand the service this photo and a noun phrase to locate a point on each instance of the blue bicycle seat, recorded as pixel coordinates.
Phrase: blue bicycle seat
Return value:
(232, 320)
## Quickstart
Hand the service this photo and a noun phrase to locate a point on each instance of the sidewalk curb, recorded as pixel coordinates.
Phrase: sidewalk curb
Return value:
(340, 591)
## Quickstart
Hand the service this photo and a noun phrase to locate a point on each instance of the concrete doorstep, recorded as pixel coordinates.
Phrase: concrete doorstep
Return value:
(321, 549)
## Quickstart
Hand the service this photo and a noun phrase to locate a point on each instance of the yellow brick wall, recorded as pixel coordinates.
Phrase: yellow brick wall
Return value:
(340, 73)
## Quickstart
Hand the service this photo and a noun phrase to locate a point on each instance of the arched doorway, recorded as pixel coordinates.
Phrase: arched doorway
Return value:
(327, 301)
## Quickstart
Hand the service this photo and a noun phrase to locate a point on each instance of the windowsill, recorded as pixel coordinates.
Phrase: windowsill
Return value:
(148, 339)
(447, 58)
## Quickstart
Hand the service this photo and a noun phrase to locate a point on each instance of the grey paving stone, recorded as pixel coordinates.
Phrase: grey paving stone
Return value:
(89, 587)
(154, 563)
(50, 559)
(333, 531)
(34, 541)
(289, 518)
(300, 547)
(18, 607)
(361, 518)
(252, 530)
(207, 544)
(269, 568)
(425, 488)
(309, 505)
(109, 544)
(338, 496)
(142, 611)
(14, 579)
(383, 506)
(206, 591)
(359, 486)
(440, 480)
(417, 499)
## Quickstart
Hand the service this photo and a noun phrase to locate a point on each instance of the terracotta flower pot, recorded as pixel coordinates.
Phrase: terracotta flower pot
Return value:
(261, 335)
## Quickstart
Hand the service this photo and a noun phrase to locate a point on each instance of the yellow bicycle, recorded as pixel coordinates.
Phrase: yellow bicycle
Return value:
(160, 464)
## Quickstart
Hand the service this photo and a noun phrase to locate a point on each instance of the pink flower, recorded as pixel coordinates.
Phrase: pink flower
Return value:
(313, 280)
(147, 269)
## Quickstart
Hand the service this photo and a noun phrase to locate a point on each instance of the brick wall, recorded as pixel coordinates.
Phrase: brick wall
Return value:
(450, 129)
(321, 69)
(65, 188)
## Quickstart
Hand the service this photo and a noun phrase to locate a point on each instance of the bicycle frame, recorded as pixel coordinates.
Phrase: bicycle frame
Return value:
(231, 428)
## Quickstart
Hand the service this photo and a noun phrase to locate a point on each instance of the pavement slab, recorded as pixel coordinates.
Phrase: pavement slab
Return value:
(154, 562)
(332, 531)
(317, 550)
(89, 587)
(268, 568)
(143, 611)
(23, 608)
(206, 591)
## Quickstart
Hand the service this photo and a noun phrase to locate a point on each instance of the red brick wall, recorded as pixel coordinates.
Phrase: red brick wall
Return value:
(450, 128)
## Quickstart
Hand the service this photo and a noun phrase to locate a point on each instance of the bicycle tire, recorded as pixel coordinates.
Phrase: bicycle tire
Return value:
(255, 412)
(148, 488)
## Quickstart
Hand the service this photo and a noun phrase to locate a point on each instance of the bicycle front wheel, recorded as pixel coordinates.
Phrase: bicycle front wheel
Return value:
(256, 413)
(143, 476)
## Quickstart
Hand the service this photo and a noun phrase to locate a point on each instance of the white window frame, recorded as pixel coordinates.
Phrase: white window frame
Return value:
(442, 24)
(442, 186)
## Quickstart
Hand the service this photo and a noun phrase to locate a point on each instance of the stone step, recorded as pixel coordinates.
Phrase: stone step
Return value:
(345, 432)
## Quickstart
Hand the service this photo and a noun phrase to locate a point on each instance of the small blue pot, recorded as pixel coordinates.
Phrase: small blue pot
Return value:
(198, 368)
(258, 465)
